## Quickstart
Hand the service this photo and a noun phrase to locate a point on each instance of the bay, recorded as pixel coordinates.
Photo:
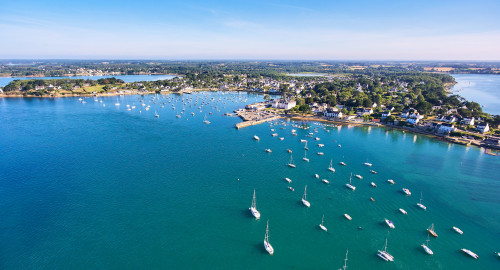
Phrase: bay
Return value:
(481, 88)
(87, 186)
(126, 78)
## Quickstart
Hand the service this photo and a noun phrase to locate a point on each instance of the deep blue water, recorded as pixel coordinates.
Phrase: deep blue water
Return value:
(481, 88)
(87, 186)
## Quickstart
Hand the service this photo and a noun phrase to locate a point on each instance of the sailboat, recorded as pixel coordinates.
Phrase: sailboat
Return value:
(304, 198)
(205, 121)
(345, 261)
(384, 254)
(267, 245)
(431, 230)
(290, 164)
(330, 168)
(305, 147)
(305, 157)
(323, 226)
(349, 184)
(426, 247)
(156, 114)
(420, 203)
(253, 208)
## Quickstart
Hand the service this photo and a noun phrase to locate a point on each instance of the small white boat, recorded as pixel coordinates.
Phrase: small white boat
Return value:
(407, 191)
(347, 216)
(288, 179)
(157, 115)
(342, 163)
(267, 245)
(358, 176)
(205, 121)
(253, 208)
(303, 140)
(349, 185)
(372, 171)
(317, 176)
(320, 145)
(274, 134)
(339, 145)
(420, 203)
(426, 247)
(470, 253)
(402, 211)
(281, 138)
(367, 164)
(384, 254)
(330, 167)
(255, 137)
(304, 198)
(291, 189)
(178, 115)
(290, 164)
(373, 184)
(325, 181)
(390, 181)
(317, 139)
(323, 226)
(390, 224)
(269, 150)
(305, 157)
(320, 153)
(457, 230)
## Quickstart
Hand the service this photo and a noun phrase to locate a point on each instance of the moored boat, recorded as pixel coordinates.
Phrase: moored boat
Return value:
(390, 224)
(457, 230)
(347, 216)
(431, 230)
(406, 191)
(384, 254)
(390, 181)
(325, 181)
(304, 198)
(288, 179)
(373, 184)
(323, 226)
(349, 185)
(267, 245)
(470, 253)
(255, 137)
(253, 208)
(402, 211)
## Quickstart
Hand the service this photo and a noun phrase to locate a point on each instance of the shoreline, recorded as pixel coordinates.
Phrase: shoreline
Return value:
(83, 75)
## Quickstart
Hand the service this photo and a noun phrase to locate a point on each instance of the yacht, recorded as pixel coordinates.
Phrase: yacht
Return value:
(402, 211)
(406, 191)
(330, 168)
(205, 121)
(290, 164)
(303, 140)
(323, 226)
(470, 253)
(367, 164)
(420, 203)
(325, 181)
(390, 181)
(457, 230)
(156, 114)
(320, 153)
(317, 139)
(304, 198)
(349, 185)
(390, 224)
(291, 189)
(267, 245)
(288, 179)
(269, 150)
(320, 145)
(358, 176)
(274, 134)
(373, 184)
(317, 176)
(253, 208)
(431, 230)
(305, 157)
(281, 138)
(372, 171)
(255, 137)
(426, 247)
(384, 254)
(347, 216)
(342, 163)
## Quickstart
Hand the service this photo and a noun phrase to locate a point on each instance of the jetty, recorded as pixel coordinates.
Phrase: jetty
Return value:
(252, 117)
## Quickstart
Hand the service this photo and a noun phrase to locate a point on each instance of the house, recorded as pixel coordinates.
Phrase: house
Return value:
(446, 128)
(333, 113)
(449, 119)
(467, 121)
(415, 115)
(386, 114)
(284, 104)
(407, 112)
(483, 127)
(364, 111)
(412, 121)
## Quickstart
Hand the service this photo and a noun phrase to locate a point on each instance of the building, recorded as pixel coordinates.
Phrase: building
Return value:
(386, 114)
(364, 111)
(483, 127)
(284, 104)
(467, 121)
(333, 113)
(446, 128)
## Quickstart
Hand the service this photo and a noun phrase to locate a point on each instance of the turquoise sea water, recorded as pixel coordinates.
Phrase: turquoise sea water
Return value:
(126, 78)
(85, 186)
(481, 88)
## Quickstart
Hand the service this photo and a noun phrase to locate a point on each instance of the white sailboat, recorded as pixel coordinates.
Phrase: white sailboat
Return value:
(330, 168)
(470, 253)
(349, 185)
(255, 137)
(205, 121)
(458, 230)
(384, 254)
(323, 226)
(305, 157)
(304, 198)
(420, 203)
(290, 164)
(267, 245)
(426, 247)
(156, 114)
(253, 208)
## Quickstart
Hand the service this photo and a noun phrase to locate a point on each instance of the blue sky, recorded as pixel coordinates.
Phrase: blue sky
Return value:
(296, 30)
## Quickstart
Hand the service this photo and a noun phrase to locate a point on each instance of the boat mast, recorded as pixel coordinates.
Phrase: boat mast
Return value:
(254, 204)
(267, 233)
(305, 195)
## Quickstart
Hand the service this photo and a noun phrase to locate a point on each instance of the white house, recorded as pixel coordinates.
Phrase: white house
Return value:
(447, 127)
(467, 121)
(333, 113)
(413, 121)
(483, 127)
(364, 111)
(284, 104)
(386, 114)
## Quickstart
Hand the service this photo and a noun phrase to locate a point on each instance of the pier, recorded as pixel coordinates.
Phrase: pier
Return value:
(251, 117)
